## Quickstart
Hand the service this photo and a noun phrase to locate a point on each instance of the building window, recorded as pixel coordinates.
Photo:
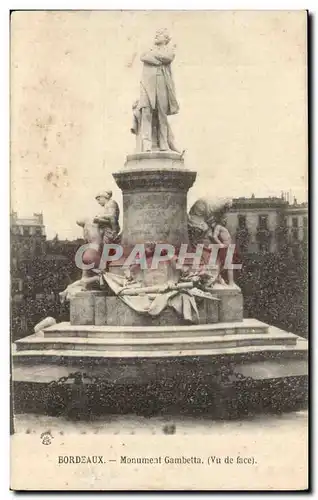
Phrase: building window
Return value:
(295, 222)
(263, 246)
(241, 221)
(38, 231)
(26, 231)
(295, 234)
(263, 221)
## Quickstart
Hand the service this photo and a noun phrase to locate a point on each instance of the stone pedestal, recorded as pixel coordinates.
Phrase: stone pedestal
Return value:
(96, 308)
(88, 308)
(154, 187)
(231, 302)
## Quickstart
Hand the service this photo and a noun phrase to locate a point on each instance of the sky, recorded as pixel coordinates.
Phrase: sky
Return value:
(241, 82)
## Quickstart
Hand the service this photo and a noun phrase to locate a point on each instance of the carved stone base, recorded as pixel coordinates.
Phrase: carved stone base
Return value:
(231, 302)
(86, 308)
(154, 159)
(96, 308)
(154, 187)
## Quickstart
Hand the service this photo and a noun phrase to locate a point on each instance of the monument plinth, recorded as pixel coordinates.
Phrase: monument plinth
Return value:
(154, 187)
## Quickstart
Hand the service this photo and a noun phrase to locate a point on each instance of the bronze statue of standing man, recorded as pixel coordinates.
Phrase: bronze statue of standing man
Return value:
(157, 96)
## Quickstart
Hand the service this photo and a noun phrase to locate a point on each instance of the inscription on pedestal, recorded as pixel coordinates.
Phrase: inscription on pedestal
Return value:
(159, 217)
(154, 202)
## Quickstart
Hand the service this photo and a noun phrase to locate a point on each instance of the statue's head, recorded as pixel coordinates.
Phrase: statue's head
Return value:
(162, 37)
(103, 197)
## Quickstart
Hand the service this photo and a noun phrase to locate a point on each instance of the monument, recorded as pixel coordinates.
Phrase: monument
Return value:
(137, 323)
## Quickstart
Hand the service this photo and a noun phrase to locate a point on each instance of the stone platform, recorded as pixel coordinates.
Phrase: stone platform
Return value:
(97, 308)
(137, 352)
(87, 368)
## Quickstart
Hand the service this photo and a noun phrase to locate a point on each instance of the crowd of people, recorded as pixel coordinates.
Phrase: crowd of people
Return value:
(35, 286)
(26, 313)
(275, 288)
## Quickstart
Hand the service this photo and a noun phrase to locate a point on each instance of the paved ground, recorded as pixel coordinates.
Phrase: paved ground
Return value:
(132, 424)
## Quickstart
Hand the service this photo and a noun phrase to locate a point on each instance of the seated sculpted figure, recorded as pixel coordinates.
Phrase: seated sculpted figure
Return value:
(206, 225)
(222, 237)
(201, 216)
(108, 219)
(102, 229)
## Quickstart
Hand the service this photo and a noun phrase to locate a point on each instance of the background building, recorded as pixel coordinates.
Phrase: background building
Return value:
(27, 241)
(27, 235)
(261, 225)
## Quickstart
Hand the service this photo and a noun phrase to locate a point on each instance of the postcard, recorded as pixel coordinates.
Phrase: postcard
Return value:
(159, 248)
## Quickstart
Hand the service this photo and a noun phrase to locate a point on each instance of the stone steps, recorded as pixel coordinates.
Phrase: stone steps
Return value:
(247, 326)
(135, 354)
(35, 356)
(156, 344)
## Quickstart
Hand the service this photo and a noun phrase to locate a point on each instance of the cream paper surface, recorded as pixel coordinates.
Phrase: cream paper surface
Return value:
(279, 450)
(241, 80)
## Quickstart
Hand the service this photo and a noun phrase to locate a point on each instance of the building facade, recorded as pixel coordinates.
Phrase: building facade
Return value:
(261, 225)
(27, 235)
(27, 241)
